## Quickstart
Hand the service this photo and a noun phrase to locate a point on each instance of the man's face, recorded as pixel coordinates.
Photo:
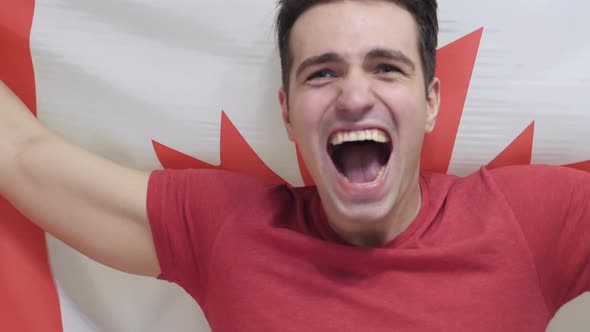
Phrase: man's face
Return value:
(358, 110)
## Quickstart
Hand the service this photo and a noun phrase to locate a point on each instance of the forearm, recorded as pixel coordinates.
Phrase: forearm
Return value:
(90, 203)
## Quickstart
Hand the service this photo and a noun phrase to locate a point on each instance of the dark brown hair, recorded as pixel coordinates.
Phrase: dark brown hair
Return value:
(423, 11)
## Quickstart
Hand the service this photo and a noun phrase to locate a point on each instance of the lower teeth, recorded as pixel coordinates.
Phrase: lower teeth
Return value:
(380, 174)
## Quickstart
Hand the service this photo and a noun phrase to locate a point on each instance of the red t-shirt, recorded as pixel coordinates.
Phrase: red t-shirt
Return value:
(498, 250)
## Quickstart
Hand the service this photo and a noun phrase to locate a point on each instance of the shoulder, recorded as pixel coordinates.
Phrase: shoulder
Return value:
(535, 171)
(211, 180)
(545, 177)
(534, 181)
(204, 175)
(223, 187)
(539, 190)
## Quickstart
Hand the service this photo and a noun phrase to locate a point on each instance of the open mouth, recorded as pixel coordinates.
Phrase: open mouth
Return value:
(360, 156)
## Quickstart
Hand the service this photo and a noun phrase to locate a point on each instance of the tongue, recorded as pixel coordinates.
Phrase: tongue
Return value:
(360, 162)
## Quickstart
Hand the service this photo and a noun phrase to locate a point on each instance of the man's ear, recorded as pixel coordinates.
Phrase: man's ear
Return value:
(283, 100)
(432, 105)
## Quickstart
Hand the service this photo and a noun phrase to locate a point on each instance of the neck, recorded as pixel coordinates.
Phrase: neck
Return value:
(400, 218)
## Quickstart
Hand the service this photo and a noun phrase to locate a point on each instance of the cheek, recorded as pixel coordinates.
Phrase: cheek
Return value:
(307, 111)
(412, 135)
(407, 109)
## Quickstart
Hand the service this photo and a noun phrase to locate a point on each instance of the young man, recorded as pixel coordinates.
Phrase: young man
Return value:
(376, 246)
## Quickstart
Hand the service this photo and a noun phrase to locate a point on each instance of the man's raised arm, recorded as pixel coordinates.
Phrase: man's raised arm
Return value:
(95, 206)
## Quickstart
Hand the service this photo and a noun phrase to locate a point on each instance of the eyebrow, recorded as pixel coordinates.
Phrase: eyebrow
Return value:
(318, 60)
(376, 53)
(394, 55)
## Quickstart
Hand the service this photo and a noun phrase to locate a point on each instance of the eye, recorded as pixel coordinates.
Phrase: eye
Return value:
(387, 68)
(321, 74)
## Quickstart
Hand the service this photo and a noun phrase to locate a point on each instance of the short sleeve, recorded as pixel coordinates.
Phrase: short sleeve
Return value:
(552, 205)
(187, 210)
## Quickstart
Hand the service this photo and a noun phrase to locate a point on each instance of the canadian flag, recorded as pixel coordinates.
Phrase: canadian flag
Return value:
(175, 84)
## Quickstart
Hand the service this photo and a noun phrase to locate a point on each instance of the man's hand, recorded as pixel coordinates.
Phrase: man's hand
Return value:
(93, 205)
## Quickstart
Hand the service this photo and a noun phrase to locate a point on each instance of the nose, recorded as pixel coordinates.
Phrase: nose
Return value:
(356, 97)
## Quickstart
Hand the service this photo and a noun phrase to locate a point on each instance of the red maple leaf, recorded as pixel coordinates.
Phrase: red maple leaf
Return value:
(455, 67)
(520, 152)
(456, 63)
(236, 155)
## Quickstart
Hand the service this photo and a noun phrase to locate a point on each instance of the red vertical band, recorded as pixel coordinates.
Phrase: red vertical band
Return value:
(29, 300)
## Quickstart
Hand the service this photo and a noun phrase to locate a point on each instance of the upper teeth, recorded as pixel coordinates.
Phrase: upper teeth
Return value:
(359, 136)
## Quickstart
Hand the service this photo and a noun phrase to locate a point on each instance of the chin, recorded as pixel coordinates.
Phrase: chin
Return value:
(359, 211)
